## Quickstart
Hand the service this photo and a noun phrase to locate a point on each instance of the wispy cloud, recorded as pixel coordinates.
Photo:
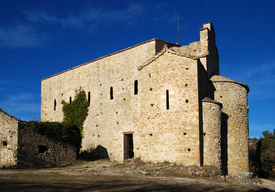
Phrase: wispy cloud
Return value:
(20, 35)
(17, 107)
(260, 79)
(37, 23)
(21, 96)
(21, 105)
(256, 130)
(11, 82)
(265, 127)
(90, 17)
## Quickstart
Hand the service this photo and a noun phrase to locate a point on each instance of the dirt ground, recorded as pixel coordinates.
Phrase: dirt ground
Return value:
(102, 175)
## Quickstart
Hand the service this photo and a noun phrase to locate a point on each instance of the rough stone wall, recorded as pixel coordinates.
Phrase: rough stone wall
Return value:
(36, 150)
(128, 93)
(233, 96)
(211, 132)
(169, 134)
(108, 118)
(208, 45)
(21, 147)
(205, 50)
(8, 139)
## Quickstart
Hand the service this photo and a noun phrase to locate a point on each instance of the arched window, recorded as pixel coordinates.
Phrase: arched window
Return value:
(54, 104)
(167, 99)
(136, 87)
(111, 93)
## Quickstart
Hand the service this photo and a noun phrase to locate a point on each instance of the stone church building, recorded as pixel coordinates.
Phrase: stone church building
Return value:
(160, 102)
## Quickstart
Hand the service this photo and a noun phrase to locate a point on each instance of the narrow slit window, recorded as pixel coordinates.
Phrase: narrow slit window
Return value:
(54, 104)
(167, 99)
(111, 93)
(136, 87)
(70, 100)
(89, 97)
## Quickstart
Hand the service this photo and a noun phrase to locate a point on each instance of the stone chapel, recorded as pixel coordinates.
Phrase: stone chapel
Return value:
(158, 101)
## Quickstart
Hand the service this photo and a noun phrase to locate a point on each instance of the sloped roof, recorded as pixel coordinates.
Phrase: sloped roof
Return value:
(219, 78)
(154, 39)
(209, 100)
(172, 50)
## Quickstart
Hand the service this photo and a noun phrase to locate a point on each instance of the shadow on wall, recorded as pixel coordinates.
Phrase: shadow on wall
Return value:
(92, 154)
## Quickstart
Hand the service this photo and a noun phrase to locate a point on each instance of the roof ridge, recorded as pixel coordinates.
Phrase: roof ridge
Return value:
(185, 54)
(155, 57)
(169, 50)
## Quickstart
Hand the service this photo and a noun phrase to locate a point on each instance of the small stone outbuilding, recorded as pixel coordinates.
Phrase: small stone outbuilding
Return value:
(21, 147)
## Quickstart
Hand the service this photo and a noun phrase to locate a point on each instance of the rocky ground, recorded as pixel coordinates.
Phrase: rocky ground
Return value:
(133, 175)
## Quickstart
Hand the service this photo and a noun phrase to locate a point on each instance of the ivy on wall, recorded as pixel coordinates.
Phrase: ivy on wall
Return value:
(70, 129)
(74, 117)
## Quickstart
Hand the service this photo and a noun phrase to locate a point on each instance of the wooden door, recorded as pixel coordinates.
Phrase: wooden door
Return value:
(128, 146)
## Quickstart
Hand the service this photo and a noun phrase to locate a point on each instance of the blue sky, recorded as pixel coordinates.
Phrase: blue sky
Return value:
(41, 38)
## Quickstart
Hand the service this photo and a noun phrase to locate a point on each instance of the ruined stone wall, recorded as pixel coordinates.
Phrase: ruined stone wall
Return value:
(8, 139)
(211, 132)
(22, 148)
(233, 96)
(36, 150)
(169, 134)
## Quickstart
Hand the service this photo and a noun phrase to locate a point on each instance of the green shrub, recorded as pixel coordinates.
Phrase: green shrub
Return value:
(268, 156)
(47, 129)
(70, 129)
(262, 156)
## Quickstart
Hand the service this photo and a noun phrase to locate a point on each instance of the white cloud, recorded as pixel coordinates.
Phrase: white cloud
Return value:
(259, 77)
(20, 35)
(256, 130)
(88, 17)
(14, 107)
(21, 96)
(20, 104)
(33, 30)
(93, 16)
(255, 127)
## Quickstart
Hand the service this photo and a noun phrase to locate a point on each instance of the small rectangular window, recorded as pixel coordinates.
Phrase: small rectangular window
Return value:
(54, 107)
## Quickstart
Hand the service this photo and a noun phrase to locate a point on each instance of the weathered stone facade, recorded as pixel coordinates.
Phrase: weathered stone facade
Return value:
(8, 139)
(157, 101)
(22, 148)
